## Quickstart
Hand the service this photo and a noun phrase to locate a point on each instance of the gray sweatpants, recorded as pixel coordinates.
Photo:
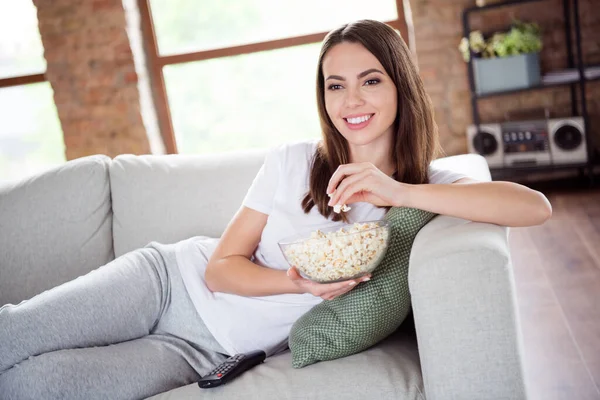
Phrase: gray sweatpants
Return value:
(127, 330)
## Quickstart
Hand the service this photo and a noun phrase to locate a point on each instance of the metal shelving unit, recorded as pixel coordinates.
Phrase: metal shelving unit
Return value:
(573, 62)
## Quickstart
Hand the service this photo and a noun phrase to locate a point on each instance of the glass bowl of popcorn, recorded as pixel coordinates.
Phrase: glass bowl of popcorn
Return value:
(334, 254)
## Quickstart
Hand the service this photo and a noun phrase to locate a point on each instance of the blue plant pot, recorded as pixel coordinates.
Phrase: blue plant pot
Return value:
(507, 73)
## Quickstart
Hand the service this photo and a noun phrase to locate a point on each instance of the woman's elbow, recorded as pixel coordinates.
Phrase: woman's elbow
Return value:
(544, 209)
(210, 278)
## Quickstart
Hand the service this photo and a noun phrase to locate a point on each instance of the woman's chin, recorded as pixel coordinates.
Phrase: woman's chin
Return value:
(359, 138)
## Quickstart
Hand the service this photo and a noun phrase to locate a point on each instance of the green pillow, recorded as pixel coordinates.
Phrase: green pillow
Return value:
(370, 312)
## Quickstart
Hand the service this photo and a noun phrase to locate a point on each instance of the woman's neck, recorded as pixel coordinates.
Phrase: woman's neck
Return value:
(378, 153)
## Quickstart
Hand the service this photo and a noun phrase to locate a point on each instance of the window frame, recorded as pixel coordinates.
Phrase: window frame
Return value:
(22, 80)
(156, 62)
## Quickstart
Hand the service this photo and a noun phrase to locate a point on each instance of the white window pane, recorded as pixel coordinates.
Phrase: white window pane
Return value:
(31, 138)
(248, 101)
(184, 26)
(21, 51)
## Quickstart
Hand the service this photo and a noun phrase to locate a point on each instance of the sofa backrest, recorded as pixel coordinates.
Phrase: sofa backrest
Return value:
(167, 198)
(54, 226)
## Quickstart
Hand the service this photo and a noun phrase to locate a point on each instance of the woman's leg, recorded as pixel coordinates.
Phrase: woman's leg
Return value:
(135, 369)
(120, 301)
(181, 319)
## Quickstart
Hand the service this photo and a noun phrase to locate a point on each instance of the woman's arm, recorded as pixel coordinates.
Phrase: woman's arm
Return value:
(238, 275)
(501, 203)
(230, 270)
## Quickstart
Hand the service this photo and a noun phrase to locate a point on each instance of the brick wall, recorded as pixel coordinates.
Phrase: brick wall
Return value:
(438, 30)
(91, 69)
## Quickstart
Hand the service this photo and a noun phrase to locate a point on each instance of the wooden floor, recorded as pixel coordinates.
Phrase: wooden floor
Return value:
(557, 277)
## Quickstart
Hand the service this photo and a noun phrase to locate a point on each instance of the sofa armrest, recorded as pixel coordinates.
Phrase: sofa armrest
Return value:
(464, 307)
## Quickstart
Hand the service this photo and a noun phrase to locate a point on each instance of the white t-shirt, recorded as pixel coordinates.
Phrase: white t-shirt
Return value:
(241, 324)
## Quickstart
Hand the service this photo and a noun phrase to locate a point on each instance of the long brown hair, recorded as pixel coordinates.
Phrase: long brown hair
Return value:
(415, 143)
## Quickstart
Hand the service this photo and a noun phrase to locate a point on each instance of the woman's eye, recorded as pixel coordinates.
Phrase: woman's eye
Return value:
(372, 82)
(334, 87)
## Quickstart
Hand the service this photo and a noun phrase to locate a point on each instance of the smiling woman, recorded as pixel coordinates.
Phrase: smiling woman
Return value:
(244, 275)
(380, 137)
(373, 109)
(356, 121)
(360, 99)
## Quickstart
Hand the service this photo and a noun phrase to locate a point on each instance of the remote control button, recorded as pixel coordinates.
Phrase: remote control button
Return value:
(219, 375)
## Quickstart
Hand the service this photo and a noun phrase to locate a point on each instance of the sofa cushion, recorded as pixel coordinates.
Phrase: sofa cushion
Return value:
(359, 319)
(54, 227)
(168, 198)
(389, 370)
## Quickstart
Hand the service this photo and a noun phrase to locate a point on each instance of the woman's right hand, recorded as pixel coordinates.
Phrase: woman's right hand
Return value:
(327, 291)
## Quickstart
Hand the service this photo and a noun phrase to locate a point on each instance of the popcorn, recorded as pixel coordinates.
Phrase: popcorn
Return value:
(341, 207)
(343, 254)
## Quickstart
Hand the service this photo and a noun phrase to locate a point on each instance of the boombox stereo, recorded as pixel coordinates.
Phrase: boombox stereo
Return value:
(530, 143)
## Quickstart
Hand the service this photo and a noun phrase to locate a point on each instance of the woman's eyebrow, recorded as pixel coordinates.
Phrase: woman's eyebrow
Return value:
(361, 75)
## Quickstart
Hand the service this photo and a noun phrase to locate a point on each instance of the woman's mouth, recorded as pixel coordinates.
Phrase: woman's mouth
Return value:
(358, 122)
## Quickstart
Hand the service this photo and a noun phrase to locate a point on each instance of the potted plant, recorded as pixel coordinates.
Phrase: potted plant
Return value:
(505, 60)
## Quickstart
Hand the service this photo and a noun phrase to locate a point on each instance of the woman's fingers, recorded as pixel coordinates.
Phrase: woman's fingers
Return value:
(345, 170)
(326, 291)
(342, 192)
(293, 273)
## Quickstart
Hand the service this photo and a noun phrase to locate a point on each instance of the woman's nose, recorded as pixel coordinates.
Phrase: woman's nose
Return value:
(353, 98)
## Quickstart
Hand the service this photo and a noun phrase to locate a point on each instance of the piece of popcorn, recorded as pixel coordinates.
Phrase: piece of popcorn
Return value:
(341, 207)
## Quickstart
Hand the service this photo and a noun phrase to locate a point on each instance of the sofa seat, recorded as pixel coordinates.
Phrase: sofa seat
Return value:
(388, 370)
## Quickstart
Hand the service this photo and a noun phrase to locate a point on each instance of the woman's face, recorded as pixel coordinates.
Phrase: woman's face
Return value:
(360, 97)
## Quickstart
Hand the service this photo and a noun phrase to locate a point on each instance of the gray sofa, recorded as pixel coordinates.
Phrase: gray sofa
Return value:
(463, 343)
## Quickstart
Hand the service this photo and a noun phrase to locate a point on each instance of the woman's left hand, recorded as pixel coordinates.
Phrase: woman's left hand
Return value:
(364, 182)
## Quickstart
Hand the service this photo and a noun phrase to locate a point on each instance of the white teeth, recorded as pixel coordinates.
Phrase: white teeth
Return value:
(359, 119)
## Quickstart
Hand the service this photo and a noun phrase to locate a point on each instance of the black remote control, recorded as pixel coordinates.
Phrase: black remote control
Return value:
(231, 368)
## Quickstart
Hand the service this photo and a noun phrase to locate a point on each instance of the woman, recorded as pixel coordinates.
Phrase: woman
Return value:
(162, 316)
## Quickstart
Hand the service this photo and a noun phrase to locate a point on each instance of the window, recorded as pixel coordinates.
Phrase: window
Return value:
(30, 134)
(243, 101)
(184, 26)
(241, 74)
